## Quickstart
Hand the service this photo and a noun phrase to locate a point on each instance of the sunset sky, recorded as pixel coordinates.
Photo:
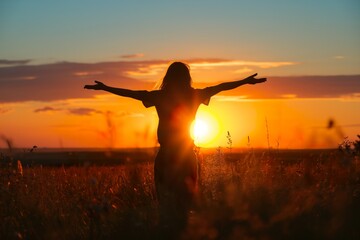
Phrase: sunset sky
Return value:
(308, 50)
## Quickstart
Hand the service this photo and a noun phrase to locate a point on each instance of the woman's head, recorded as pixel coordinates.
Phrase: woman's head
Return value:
(177, 77)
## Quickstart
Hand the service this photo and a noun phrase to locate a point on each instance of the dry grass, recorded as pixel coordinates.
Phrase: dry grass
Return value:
(253, 195)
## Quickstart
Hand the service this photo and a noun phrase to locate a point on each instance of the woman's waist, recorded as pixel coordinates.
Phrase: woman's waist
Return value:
(170, 154)
(176, 143)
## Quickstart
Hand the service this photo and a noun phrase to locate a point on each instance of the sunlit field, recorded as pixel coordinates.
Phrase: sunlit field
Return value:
(247, 194)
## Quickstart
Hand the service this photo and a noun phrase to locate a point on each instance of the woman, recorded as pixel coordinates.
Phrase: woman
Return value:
(176, 104)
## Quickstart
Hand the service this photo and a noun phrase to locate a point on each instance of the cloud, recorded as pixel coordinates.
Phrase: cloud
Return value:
(243, 66)
(243, 70)
(26, 78)
(86, 74)
(311, 86)
(150, 70)
(83, 111)
(137, 55)
(235, 63)
(351, 96)
(344, 87)
(65, 80)
(4, 110)
(46, 109)
(130, 114)
(14, 62)
(222, 98)
(289, 95)
(72, 111)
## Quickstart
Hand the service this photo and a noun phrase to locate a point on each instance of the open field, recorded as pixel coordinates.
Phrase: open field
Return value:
(262, 194)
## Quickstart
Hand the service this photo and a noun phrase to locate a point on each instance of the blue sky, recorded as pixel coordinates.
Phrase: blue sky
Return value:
(323, 34)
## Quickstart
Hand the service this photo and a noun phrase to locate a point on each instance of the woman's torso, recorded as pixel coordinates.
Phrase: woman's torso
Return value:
(176, 111)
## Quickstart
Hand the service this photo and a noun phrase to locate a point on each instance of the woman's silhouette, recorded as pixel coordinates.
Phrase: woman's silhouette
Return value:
(176, 104)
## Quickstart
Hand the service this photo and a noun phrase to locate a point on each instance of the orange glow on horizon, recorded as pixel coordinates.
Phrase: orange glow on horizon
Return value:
(291, 123)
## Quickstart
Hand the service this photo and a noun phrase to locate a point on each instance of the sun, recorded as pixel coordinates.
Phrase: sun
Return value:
(205, 128)
(201, 130)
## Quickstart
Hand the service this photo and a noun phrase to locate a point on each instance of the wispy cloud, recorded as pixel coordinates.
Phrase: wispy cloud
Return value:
(352, 96)
(339, 57)
(243, 66)
(236, 63)
(72, 111)
(244, 70)
(7, 62)
(83, 111)
(136, 55)
(46, 109)
(148, 70)
(130, 114)
(21, 78)
(87, 74)
(222, 98)
(4, 110)
(288, 95)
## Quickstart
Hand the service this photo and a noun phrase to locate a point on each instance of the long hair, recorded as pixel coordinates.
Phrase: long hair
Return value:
(177, 77)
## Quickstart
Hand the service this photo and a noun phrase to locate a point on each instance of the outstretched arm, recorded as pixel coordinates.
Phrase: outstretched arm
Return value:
(139, 95)
(231, 85)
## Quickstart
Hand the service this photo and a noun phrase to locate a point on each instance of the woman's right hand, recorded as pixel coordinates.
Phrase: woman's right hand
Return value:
(97, 86)
(252, 80)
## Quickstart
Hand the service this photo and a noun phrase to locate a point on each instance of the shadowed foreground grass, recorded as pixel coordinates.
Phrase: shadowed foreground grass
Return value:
(241, 196)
